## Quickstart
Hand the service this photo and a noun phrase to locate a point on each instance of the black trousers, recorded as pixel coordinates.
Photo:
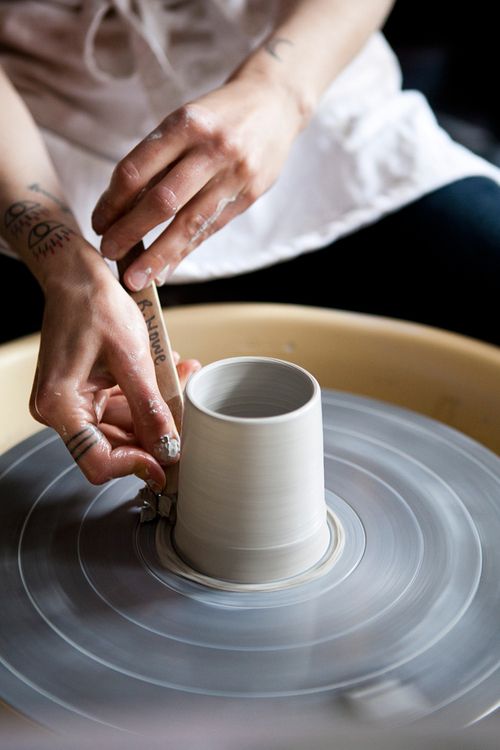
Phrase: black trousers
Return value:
(436, 261)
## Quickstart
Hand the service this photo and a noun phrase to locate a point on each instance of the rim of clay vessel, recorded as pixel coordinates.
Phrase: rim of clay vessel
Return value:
(206, 379)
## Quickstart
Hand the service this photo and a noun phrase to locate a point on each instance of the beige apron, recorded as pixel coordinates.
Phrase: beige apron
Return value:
(99, 75)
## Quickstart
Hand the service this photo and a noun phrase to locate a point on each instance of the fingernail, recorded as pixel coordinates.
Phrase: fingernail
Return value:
(137, 280)
(167, 449)
(171, 270)
(143, 473)
(98, 221)
(162, 276)
(154, 487)
(110, 249)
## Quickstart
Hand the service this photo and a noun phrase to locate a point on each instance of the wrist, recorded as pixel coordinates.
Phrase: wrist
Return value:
(276, 78)
(74, 265)
(47, 238)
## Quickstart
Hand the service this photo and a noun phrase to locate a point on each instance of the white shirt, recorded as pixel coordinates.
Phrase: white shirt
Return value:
(97, 83)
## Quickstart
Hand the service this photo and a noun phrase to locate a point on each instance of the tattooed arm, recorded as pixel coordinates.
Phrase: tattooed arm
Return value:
(210, 160)
(95, 381)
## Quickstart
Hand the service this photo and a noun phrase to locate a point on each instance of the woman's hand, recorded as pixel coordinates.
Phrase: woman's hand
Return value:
(204, 164)
(211, 159)
(95, 381)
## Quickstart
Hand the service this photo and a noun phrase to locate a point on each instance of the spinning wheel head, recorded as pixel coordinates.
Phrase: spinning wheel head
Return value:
(404, 625)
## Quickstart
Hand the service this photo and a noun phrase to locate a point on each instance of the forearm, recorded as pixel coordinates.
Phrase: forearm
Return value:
(312, 43)
(34, 218)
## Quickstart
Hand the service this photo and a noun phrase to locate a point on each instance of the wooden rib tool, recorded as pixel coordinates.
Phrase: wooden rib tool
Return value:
(166, 375)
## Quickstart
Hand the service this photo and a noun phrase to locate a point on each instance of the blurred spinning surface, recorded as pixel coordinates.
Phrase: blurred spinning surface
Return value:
(404, 627)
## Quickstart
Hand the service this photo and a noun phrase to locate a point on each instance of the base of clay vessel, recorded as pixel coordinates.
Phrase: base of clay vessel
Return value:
(171, 559)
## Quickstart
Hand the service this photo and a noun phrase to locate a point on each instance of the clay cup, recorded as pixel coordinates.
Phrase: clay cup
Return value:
(251, 505)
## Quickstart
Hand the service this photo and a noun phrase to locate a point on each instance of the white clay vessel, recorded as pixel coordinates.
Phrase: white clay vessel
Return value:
(251, 505)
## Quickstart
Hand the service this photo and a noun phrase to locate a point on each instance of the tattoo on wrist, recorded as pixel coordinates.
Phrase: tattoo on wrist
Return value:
(21, 215)
(46, 236)
(272, 44)
(83, 441)
(35, 188)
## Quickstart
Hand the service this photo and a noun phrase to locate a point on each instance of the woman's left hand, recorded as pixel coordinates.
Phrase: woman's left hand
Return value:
(205, 163)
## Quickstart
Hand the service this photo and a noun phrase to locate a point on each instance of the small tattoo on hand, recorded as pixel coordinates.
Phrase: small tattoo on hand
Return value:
(21, 215)
(83, 441)
(46, 236)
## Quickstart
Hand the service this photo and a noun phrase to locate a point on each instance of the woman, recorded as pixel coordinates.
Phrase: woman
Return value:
(282, 123)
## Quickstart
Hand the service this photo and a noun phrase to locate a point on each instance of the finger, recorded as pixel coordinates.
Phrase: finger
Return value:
(117, 413)
(115, 391)
(185, 369)
(152, 155)
(116, 436)
(153, 423)
(202, 216)
(33, 404)
(159, 203)
(100, 462)
(70, 410)
(177, 357)
(101, 399)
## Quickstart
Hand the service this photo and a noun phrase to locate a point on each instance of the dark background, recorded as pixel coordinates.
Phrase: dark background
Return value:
(449, 51)
(446, 50)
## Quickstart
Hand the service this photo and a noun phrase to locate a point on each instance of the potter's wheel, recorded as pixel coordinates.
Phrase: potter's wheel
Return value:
(405, 625)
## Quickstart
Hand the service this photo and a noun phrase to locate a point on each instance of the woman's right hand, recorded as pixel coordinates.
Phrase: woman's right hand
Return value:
(94, 367)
